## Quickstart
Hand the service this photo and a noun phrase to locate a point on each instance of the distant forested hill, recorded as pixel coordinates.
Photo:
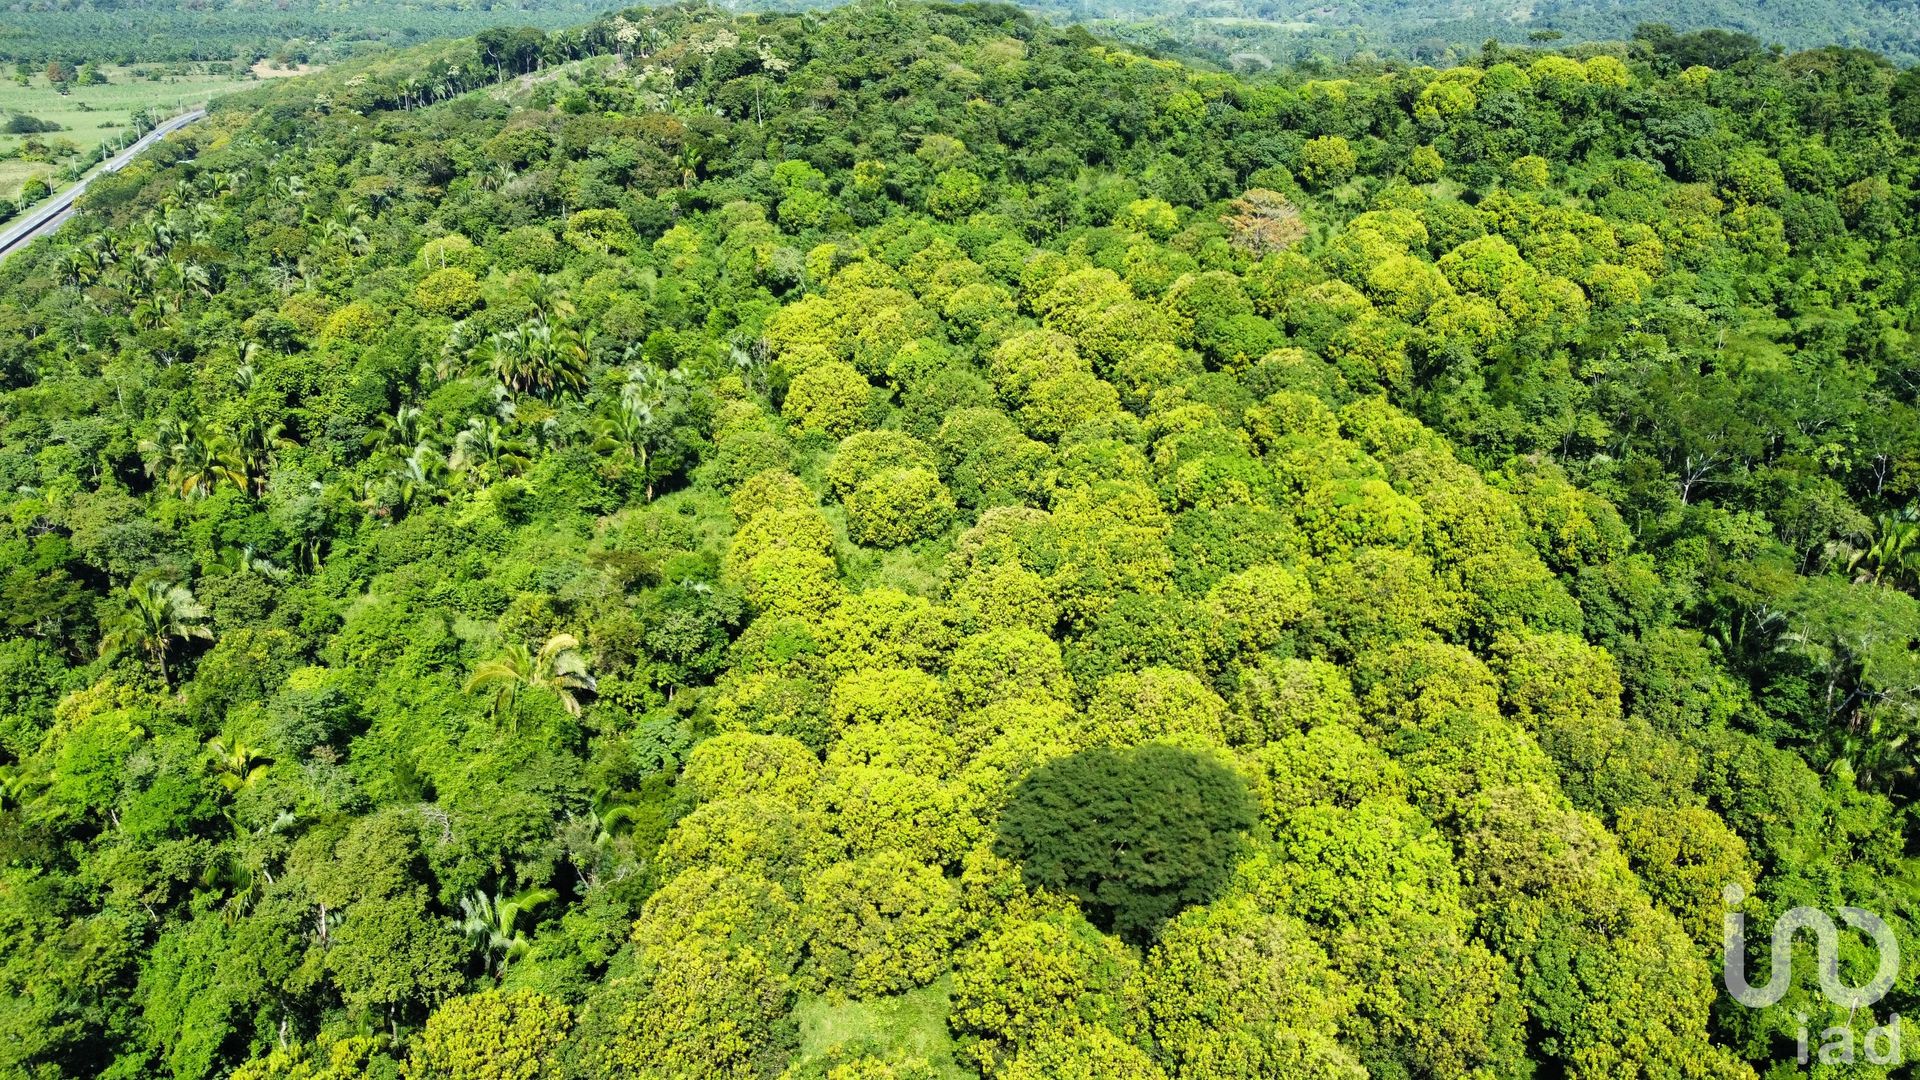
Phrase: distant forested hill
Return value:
(1285, 30)
(1243, 34)
(129, 31)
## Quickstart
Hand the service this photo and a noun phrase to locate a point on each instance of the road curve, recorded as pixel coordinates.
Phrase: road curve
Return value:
(47, 217)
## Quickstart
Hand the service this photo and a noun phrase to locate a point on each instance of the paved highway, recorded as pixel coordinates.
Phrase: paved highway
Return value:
(46, 218)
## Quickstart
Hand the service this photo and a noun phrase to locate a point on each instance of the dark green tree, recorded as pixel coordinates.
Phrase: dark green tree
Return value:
(1134, 834)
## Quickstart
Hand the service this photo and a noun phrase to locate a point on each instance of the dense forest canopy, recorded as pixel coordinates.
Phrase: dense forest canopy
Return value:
(905, 542)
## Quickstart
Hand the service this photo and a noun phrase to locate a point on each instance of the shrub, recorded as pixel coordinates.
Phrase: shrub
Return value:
(897, 507)
(1425, 165)
(881, 924)
(1031, 981)
(22, 124)
(1326, 161)
(741, 763)
(829, 397)
(491, 1036)
(868, 452)
(450, 291)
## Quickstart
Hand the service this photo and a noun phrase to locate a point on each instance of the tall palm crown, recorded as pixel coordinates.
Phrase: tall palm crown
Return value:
(559, 667)
(154, 615)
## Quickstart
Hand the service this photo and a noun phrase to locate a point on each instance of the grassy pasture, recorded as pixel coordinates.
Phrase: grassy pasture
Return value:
(913, 1024)
(92, 115)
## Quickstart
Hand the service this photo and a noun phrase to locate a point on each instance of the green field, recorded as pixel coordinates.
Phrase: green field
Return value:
(913, 1025)
(92, 115)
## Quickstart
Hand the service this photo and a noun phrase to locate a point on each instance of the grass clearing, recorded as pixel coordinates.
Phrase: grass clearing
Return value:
(913, 1024)
(92, 115)
(267, 69)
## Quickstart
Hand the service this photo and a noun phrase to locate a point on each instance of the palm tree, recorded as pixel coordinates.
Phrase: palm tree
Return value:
(17, 788)
(418, 478)
(246, 560)
(1894, 556)
(548, 300)
(142, 239)
(245, 375)
(89, 262)
(78, 267)
(491, 924)
(635, 427)
(138, 274)
(485, 447)
(400, 433)
(290, 189)
(458, 351)
(249, 452)
(505, 409)
(506, 354)
(237, 767)
(345, 236)
(147, 315)
(559, 667)
(243, 869)
(195, 276)
(494, 178)
(183, 454)
(539, 356)
(593, 841)
(626, 436)
(358, 242)
(649, 389)
(307, 522)
(154, 615)
(749, 360)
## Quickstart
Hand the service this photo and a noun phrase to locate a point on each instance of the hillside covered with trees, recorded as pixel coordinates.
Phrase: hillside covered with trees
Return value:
(905, 542)
(1253, 33)
(291, 31)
